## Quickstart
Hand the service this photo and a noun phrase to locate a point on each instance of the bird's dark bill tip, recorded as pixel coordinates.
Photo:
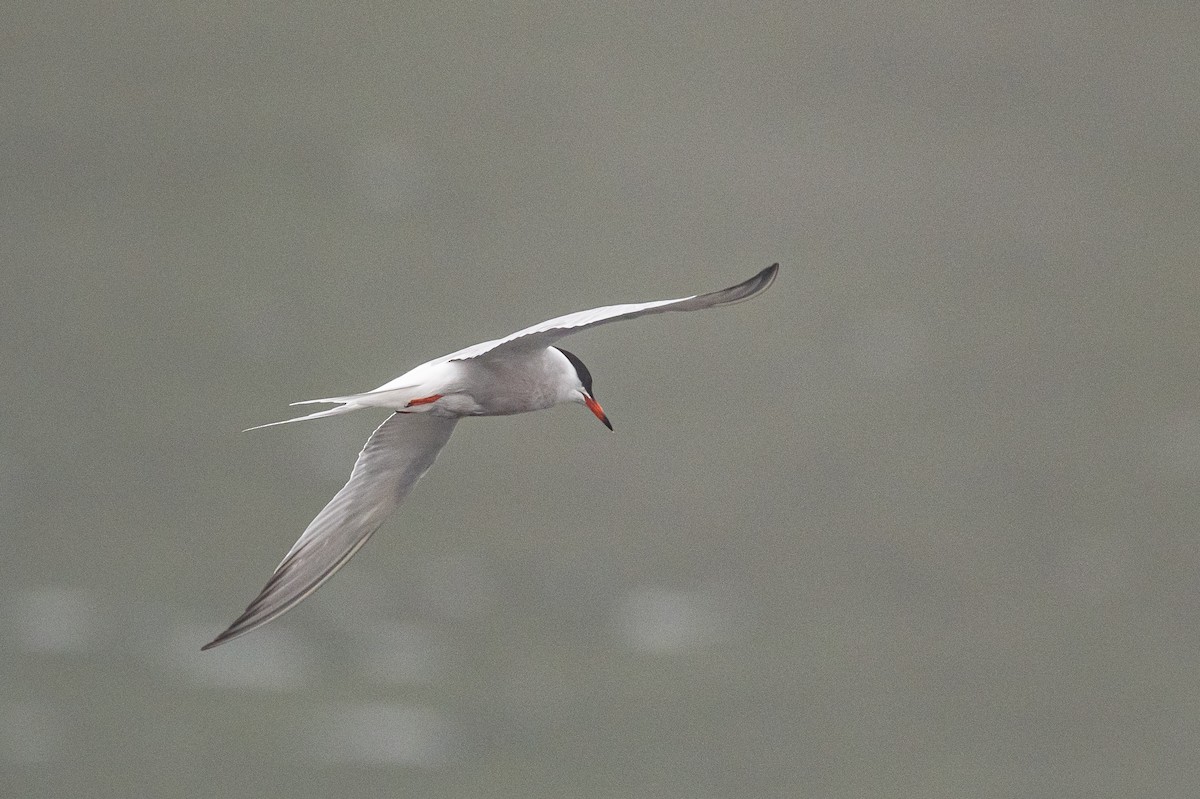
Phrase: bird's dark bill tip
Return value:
(595, 408)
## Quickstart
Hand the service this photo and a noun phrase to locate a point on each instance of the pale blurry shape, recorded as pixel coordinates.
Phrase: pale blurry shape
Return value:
(30, 733)
(388, 175)
(382, 734)
(270, 659)
(457, 586)
(396, 653)
(659, 620)
(53, 618)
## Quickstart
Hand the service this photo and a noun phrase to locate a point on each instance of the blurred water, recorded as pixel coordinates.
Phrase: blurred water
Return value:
(921, 521)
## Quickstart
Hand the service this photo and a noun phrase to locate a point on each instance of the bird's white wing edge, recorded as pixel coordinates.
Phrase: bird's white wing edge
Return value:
(395, 457)
(545, 333)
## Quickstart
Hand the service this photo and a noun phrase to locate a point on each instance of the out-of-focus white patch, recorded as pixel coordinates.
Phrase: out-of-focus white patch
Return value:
(270, 659)
(659, 620)
(53, 618)
(30, 733)
(382, 734)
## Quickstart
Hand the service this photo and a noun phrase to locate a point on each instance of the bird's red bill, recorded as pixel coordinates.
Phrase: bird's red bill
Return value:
(595, 408)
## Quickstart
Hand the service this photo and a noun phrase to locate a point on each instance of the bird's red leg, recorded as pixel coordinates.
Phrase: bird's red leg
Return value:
(423, 400)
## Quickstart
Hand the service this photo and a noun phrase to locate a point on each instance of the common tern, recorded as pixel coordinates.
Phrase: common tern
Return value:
(518, 373)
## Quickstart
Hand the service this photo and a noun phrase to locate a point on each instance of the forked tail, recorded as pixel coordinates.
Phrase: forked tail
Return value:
(346, 408)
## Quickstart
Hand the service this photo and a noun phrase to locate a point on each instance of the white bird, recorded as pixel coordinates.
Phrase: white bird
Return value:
(518, 373)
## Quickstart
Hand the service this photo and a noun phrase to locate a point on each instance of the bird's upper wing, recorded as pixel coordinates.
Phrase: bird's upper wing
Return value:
(546, 333)
(394, 458)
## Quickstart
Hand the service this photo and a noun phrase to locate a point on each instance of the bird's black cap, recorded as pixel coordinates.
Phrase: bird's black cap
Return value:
(585, 376)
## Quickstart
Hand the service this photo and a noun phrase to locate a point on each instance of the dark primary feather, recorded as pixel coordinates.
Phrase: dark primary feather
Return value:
(546, 333)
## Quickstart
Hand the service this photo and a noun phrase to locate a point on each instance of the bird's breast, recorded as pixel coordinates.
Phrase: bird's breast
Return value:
(507, 387)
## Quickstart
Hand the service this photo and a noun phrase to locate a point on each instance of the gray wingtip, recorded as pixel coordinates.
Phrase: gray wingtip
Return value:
(763, 280)
(250, 620)
(228, 635)
(741, 292)
(220, 639)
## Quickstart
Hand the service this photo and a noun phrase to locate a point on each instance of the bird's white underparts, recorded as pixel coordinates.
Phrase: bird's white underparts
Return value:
(518, 373)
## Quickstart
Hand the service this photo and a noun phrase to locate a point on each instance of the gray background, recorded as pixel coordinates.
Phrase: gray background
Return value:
(918, 522)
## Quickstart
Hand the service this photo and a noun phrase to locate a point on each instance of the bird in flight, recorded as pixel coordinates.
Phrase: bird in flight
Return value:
(518, 373)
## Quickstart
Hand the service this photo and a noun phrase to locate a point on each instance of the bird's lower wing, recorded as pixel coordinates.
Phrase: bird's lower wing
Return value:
(396, 455)
(546, 333)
